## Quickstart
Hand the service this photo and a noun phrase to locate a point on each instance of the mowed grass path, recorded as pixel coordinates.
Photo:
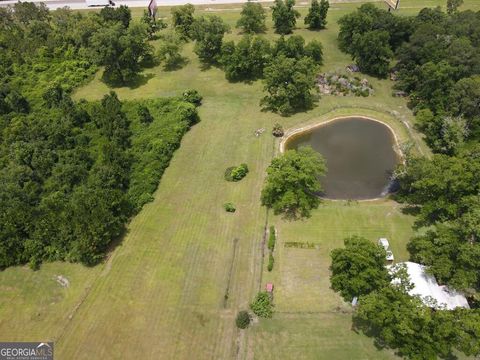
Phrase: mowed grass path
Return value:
(161, 294)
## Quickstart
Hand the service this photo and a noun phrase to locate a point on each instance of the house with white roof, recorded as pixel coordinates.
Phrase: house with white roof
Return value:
(426, 287)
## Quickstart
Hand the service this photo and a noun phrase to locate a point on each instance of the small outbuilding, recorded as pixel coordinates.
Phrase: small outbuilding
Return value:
(426, 287)
(269, 287)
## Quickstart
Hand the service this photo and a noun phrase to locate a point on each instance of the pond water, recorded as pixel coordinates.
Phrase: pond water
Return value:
(359, 153)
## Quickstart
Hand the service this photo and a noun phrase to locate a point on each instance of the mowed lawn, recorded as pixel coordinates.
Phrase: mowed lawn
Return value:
(173, 286)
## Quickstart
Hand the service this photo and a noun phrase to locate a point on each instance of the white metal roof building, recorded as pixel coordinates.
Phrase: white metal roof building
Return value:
(384, 242)
(427, 288)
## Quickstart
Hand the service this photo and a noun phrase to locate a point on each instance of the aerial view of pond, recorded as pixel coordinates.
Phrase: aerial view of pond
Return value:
(359, 153)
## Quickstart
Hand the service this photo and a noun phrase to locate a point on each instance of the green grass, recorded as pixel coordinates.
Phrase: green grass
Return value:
(161, 294)
(320, 336)
(301, 276)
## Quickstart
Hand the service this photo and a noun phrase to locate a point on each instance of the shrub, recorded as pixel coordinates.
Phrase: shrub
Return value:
(277, 130)
(144, 115)
(192, 96)
(271, 260)
(236, 173)
(229, 207)
(239, 172)
(271, 238)
(262, 305)
(243, 319)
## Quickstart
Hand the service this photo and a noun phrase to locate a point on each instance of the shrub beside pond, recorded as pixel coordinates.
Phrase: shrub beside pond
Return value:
(277, 130)
(236, 173)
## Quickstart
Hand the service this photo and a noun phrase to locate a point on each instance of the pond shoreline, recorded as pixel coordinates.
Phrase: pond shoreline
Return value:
(298, 131)
(292, 133)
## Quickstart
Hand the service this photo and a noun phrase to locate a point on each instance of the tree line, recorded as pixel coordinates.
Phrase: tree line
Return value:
(436, 58)
(73, 173)
(288, 66)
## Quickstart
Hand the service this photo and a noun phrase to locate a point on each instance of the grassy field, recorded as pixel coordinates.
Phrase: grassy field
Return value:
(172, 288)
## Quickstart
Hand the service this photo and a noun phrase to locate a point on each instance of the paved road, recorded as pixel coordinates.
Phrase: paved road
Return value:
(80, 4)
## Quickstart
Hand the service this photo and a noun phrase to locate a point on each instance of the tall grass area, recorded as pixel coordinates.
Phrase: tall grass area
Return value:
(161, 294)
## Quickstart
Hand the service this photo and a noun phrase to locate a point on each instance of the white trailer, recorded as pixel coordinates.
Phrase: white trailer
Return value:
(98, 2)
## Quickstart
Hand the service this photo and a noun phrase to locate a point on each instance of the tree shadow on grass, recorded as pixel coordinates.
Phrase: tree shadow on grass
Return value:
(177, 65)
(134, 83)
(150, 62)
(360, 326)
(296, 110)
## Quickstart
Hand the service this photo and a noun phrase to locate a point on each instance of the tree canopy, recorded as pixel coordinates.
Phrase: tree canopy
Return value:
(183, 20)
(284, 16)
(358, 269)
(247, 59)
(289, 84)
(292, 184)
(371, 35)
(73, 173)
(252, 18)
(316, 18)
(208, 34)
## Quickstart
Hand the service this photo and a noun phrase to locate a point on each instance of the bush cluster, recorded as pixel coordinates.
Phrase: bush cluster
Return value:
(262, 305)
(236, 173)
(277, 130)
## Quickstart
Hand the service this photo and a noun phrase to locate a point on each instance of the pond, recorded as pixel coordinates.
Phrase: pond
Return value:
(360, 155)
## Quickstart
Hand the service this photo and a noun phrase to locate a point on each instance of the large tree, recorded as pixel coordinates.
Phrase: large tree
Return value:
(284, 16)
(368, 18)
(252, 18)
(292, 184)
(289, 84)
(121, 15)
(170, 50)
(183, 20)
(316, 18)
(453, 255)
(247, 59)
(294, 47)
(359, 268)
(208, 33)
(438, 186)
(120, 51)
(372, 52)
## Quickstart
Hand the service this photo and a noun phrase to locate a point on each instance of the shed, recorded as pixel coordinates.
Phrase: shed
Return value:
(269, 287)
(427, 288)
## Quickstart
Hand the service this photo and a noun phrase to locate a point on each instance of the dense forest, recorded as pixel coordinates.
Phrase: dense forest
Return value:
(434, 58)
(73, 173)
(437, 63)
